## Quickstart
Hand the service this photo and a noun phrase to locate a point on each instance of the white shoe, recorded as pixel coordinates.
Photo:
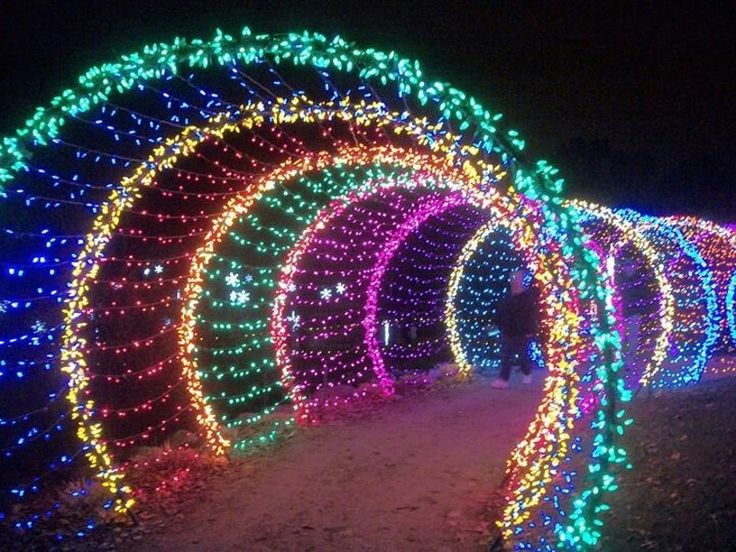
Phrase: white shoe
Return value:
(500, 383)
(527, 379)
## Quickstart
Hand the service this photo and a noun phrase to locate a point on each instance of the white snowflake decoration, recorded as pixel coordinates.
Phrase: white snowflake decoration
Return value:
(232, 279)
(326, 294)
(239, 297)
(295, 319)
(38, 327)
(340, 288)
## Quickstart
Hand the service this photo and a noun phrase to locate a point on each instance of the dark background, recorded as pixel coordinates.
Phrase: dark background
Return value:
(633, 101)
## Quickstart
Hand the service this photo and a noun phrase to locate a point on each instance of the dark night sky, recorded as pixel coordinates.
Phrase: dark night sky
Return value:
(633, 101)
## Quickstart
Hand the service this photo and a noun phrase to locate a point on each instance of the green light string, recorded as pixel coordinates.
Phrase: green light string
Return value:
(246, 362)
(583, 528)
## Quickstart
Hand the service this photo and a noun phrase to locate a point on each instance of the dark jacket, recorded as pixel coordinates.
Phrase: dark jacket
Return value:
(518, 315)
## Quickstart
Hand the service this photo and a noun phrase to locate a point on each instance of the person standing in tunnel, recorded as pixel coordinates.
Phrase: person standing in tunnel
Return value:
(517, 318)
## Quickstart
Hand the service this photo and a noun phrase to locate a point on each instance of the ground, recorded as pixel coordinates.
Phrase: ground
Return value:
(413, 474)
(681, 494)
(421, 473)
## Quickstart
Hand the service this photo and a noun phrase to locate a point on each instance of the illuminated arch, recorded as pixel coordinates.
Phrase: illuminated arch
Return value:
(666, 307)
(696, 324)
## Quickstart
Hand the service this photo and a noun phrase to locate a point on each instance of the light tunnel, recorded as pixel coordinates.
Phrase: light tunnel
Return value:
(674, 297)
(231, 236)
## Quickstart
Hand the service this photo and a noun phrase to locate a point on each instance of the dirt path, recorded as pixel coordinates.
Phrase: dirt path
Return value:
(409, 475)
